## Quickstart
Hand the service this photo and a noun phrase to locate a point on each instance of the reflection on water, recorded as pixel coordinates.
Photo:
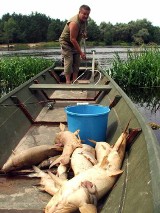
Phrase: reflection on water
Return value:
(148, 103)
(145, 97)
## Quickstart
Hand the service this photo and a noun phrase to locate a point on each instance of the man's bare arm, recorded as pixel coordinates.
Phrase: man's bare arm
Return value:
(73, 38)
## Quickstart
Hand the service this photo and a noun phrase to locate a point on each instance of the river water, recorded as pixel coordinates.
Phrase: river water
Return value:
(147, 101)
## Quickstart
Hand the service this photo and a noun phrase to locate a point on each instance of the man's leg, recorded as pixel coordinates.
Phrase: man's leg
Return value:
(76, 64)
(68, 61)
(68, 78)
(67, 54)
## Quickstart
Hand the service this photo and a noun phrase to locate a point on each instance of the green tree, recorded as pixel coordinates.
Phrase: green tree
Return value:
(5, 17)
(142, 36)
(9, 30)
(140, 28)
(93, 31)
(106, 32)
(121, 33)
(22, 22)
(1, 31)
(38, 27)
(156, 35)
(54, 29)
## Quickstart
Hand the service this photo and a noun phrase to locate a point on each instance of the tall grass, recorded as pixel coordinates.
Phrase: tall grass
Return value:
(16, 70)
(142, 68)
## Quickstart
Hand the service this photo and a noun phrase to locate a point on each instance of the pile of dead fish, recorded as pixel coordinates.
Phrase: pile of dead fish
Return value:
(95, 170)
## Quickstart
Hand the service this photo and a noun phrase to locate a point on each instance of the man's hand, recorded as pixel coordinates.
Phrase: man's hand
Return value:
(84, 35)
(83, 56)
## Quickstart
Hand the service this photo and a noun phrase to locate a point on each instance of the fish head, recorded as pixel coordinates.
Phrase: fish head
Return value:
(59, 139)
(9, 166)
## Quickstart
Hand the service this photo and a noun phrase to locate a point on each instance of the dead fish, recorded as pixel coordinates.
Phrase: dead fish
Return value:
(70, 141)
(74, 197)
(31, 156)
(83, 159)
(102, 149)
(46, 163)
(47, 184)
(90, 185)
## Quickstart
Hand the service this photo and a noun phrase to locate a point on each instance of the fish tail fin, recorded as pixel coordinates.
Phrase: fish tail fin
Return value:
(76, 133)
(133, 134)
(57, 161)
(123, 138)
(115, 173)
(36, 169)
(88, 208)
(56, 179)
(39, 173)
(125, 130)
(62, 127)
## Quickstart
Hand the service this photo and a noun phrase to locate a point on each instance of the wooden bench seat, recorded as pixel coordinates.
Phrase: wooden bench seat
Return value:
(90, 87)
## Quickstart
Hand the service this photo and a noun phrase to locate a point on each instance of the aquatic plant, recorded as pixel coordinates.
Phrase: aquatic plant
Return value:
(141, 68)
(16, 70)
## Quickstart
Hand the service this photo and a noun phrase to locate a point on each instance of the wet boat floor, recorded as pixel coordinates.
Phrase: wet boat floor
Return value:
(18, 192)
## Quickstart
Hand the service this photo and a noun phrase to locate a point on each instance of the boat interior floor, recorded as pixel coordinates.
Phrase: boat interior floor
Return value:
(19, 190)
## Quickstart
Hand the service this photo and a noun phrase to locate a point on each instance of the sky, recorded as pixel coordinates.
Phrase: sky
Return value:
(113, 11)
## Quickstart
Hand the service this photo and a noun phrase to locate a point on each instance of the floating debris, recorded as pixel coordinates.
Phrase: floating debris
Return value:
(154, 126)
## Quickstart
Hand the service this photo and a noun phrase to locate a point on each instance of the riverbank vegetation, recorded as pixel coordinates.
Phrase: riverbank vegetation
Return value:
(140, 69)
(42, 45)
(37, 27)
(16, 70)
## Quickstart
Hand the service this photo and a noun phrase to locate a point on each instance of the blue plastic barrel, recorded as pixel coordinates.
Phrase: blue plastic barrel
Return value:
(91, 120)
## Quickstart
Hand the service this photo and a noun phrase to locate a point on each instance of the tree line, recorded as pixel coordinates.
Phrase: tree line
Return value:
(37, 27)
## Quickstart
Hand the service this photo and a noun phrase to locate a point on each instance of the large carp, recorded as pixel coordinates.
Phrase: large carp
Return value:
(29, 157)
(85, 189)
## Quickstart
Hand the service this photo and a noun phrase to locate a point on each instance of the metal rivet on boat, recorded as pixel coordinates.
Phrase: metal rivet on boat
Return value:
(50, 105)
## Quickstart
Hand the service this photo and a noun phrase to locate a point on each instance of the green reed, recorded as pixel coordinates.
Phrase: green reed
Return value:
(16, 70)
(142, 68)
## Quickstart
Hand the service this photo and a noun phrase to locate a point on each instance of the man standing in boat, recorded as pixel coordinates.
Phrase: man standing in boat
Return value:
(73, 32)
